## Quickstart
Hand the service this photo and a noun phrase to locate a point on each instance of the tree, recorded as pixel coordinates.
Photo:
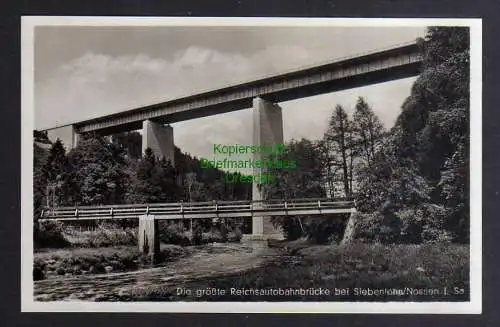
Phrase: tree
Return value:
(422, 169)
(338, 142)
(57, 163)
(170, 188)
(454, 184)
(301, 182)
(436, 120)
(193, 188)
(56, 171)
(99, 172)
(148, 182)
(40, 156)
(367, 130)
(130, 143)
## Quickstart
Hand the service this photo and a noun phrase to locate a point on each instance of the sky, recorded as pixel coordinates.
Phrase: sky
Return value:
(83, 72)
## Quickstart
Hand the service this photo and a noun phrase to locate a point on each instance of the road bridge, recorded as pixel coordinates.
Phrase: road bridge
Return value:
(370, 68)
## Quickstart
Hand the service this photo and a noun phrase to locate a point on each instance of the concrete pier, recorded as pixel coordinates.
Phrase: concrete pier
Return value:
(67, 134)
(267, 130)
(159, 138)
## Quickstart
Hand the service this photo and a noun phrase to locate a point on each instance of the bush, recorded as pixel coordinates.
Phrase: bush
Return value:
(212, 236)
(291, 227)
(49, 234)
(434, 227)
(436, 235)
(109, 235)
(411, 229)
(235, 235)
(322, 230)
(317, 229)
(172, 234)
(378, 227)
(424, 223)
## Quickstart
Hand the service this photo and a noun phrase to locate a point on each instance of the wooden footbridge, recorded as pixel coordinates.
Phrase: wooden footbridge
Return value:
(194, 210)
(149, 214)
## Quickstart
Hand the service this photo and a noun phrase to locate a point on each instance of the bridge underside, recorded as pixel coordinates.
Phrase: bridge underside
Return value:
(274, 96)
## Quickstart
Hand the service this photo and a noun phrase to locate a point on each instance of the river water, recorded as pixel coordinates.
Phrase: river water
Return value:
(207, 262)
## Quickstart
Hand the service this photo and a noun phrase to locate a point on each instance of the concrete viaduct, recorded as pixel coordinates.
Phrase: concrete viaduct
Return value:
(262, 94)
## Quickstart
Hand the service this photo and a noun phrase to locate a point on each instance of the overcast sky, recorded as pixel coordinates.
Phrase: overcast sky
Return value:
(86, 72)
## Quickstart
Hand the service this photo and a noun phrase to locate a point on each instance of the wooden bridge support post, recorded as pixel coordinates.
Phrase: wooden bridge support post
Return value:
(267, 130)
(350, 229)
(149, 242)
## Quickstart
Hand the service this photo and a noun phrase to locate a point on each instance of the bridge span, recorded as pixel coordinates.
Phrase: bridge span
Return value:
(360, 70)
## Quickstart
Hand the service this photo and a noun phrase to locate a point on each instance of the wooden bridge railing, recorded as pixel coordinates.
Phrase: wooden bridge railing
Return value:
(128, 211)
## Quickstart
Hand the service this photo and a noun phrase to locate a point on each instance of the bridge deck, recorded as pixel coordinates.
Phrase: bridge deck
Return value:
(359, 70)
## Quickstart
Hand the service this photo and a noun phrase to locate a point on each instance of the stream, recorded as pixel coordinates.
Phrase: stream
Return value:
(217, 260)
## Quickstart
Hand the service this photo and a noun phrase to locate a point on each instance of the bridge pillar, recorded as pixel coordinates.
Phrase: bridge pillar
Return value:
(67, 134)
(267, 130)
(159, 138)
(149, 242)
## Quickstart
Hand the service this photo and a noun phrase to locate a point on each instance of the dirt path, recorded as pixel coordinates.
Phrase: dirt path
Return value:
(213, 260)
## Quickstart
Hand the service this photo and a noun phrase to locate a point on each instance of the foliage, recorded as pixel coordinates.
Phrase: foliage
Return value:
(303, 182)
(99, 172)
(420, 172)
(338, 143)
(390, 183)
(148, 180)
(173, 234)
(48, 235)
(40, 156)
(109, 235)
(130, 143)
(367, 132)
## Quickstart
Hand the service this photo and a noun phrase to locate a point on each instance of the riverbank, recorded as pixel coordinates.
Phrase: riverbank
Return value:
(58, 263)
(361, 272)
(204, 261)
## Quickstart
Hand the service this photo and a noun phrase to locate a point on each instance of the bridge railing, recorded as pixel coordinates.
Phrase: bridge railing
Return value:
(136, 210)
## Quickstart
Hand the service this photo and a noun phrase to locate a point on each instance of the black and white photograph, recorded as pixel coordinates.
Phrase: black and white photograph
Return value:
(180, 164)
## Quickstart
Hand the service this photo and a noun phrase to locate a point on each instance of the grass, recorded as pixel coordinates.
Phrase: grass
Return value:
(411, 268)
